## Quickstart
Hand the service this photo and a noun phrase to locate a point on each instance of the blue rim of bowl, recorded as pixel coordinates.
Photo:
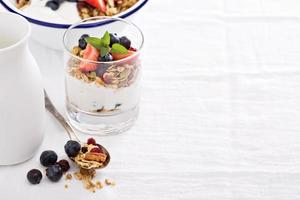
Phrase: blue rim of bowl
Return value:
(64, 26)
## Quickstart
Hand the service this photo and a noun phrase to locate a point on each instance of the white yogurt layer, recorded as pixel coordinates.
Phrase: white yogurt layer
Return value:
(90, 97)
(66, 13)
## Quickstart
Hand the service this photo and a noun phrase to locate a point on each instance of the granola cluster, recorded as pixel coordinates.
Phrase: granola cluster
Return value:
(89, 159)
(106, 75)
(113, 7)
(87, 179)
(22, 3)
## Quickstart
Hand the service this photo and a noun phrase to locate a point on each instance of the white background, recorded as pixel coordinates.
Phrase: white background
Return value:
(219, 113)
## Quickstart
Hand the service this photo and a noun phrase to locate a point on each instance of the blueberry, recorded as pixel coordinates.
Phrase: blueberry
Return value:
(48, 158)
(72, 148)
(125, 42)
(54, 172)
(84, 36)
(34, 176)
(81, 42)
(52, 4)
(102, 69)
(113, 39)
(108, 57)
(58, 1)
(64, 164)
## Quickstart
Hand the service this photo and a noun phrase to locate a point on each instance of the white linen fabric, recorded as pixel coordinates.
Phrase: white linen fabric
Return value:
(220, 110)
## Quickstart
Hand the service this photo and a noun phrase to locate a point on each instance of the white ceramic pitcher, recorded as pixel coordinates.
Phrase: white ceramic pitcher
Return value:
(21, 93)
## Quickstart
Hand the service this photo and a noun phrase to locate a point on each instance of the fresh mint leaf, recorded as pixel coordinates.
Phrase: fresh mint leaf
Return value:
(95, 42)
(106, 39)
(103, 45)
(118, 48)
(104, 51)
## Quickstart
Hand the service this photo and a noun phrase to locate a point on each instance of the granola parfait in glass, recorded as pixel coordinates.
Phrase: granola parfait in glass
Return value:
(103, 74)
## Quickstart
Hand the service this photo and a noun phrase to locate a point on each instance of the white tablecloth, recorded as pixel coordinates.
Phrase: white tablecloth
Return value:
(220, 110)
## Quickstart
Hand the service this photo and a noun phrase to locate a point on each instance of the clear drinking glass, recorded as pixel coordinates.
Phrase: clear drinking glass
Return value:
(104, 101)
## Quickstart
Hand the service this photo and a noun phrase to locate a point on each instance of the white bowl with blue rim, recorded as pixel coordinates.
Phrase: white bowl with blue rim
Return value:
(49, 26)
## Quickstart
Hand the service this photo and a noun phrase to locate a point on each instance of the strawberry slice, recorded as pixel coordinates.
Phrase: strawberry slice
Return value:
(90, 53)
(119, 56)
(100, 4)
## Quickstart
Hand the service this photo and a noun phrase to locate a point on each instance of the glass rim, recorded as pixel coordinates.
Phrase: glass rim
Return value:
(112, 19)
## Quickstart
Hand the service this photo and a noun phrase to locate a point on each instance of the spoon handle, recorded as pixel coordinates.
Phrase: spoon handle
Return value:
(50, 107)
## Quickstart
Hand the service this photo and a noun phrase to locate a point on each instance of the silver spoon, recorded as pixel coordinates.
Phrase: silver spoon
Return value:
(50, 107)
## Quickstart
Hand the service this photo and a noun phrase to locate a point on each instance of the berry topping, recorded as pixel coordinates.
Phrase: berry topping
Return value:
(81, 42)
(90, 53)
(110, 48)
(100, 4)
(72, 148)
(34, 176)
(96, 150)
(113, 39)
(108, 57)
(64, 164)
(84, 149)
(125, 42)
(48, 158)
(54, 173)
(91, 141)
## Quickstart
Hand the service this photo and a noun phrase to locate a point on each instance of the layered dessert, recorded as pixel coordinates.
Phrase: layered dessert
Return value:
(103, 75)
